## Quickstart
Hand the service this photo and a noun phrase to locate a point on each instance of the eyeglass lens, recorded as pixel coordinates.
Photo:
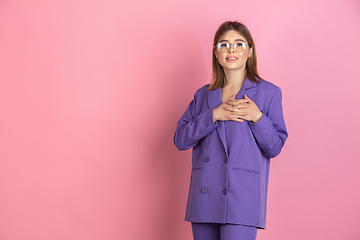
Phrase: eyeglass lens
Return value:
(238, 46)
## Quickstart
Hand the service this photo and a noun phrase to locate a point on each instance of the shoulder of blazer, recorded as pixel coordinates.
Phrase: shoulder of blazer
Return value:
(267, 86)
(202, 90)
(200, 94)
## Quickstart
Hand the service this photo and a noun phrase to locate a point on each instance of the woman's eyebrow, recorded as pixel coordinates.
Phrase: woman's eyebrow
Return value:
(236, 40)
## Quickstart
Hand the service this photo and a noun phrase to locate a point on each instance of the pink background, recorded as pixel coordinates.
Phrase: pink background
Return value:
(91, 91)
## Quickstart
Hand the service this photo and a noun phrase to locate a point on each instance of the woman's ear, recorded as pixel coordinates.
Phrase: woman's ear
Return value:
(250, 52)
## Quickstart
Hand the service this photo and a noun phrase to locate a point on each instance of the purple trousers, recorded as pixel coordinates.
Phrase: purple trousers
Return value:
(215, 231)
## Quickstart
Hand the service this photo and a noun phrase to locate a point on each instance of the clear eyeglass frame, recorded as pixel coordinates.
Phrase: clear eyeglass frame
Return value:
(225, 46)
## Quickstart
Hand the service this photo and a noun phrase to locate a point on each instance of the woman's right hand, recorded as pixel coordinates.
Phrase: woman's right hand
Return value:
(222, 114)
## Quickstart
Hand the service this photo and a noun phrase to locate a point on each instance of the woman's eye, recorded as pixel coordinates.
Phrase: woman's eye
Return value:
(240, 45)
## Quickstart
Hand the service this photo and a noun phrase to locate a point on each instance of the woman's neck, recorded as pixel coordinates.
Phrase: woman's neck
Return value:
(234, 78)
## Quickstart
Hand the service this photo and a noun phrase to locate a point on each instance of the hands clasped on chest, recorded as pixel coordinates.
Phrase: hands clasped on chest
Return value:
(238, 110)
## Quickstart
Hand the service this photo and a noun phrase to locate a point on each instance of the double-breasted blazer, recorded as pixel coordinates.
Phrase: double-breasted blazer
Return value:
(231, 160)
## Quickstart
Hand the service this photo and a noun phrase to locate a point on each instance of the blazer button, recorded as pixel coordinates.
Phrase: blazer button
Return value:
(226, 160)
(204, 190)
(206, 159)
(224, 191)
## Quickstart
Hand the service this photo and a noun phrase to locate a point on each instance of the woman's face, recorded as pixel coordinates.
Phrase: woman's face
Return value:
(231, 59)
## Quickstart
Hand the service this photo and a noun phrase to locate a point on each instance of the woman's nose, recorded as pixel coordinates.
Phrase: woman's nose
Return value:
(231, 48)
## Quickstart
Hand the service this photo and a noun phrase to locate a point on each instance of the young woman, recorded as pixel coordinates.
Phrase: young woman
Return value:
(234, 125)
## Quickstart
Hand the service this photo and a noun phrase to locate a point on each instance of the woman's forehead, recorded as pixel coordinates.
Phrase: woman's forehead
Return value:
(231, 35)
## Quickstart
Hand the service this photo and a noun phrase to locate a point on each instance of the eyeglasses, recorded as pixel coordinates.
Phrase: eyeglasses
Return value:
(225, 46)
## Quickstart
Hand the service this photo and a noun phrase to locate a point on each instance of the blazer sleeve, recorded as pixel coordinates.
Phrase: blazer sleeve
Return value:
(270, 131)
(194, 123)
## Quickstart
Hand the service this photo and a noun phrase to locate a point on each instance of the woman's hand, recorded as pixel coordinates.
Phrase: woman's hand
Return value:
(244, 109)
(224, 113)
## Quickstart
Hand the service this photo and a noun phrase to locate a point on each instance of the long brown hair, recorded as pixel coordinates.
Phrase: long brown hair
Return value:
(218, 75)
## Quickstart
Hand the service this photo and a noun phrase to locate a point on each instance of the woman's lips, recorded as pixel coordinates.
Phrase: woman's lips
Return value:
(231, 59)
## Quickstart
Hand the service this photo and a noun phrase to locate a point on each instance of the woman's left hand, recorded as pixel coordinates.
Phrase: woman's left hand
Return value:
(249, 113)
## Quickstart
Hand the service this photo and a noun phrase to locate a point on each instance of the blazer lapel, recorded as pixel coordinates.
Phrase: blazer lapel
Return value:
(248, 88)
(214, 100)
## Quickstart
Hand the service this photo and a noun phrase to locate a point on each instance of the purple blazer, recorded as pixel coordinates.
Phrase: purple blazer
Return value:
(231, 186)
